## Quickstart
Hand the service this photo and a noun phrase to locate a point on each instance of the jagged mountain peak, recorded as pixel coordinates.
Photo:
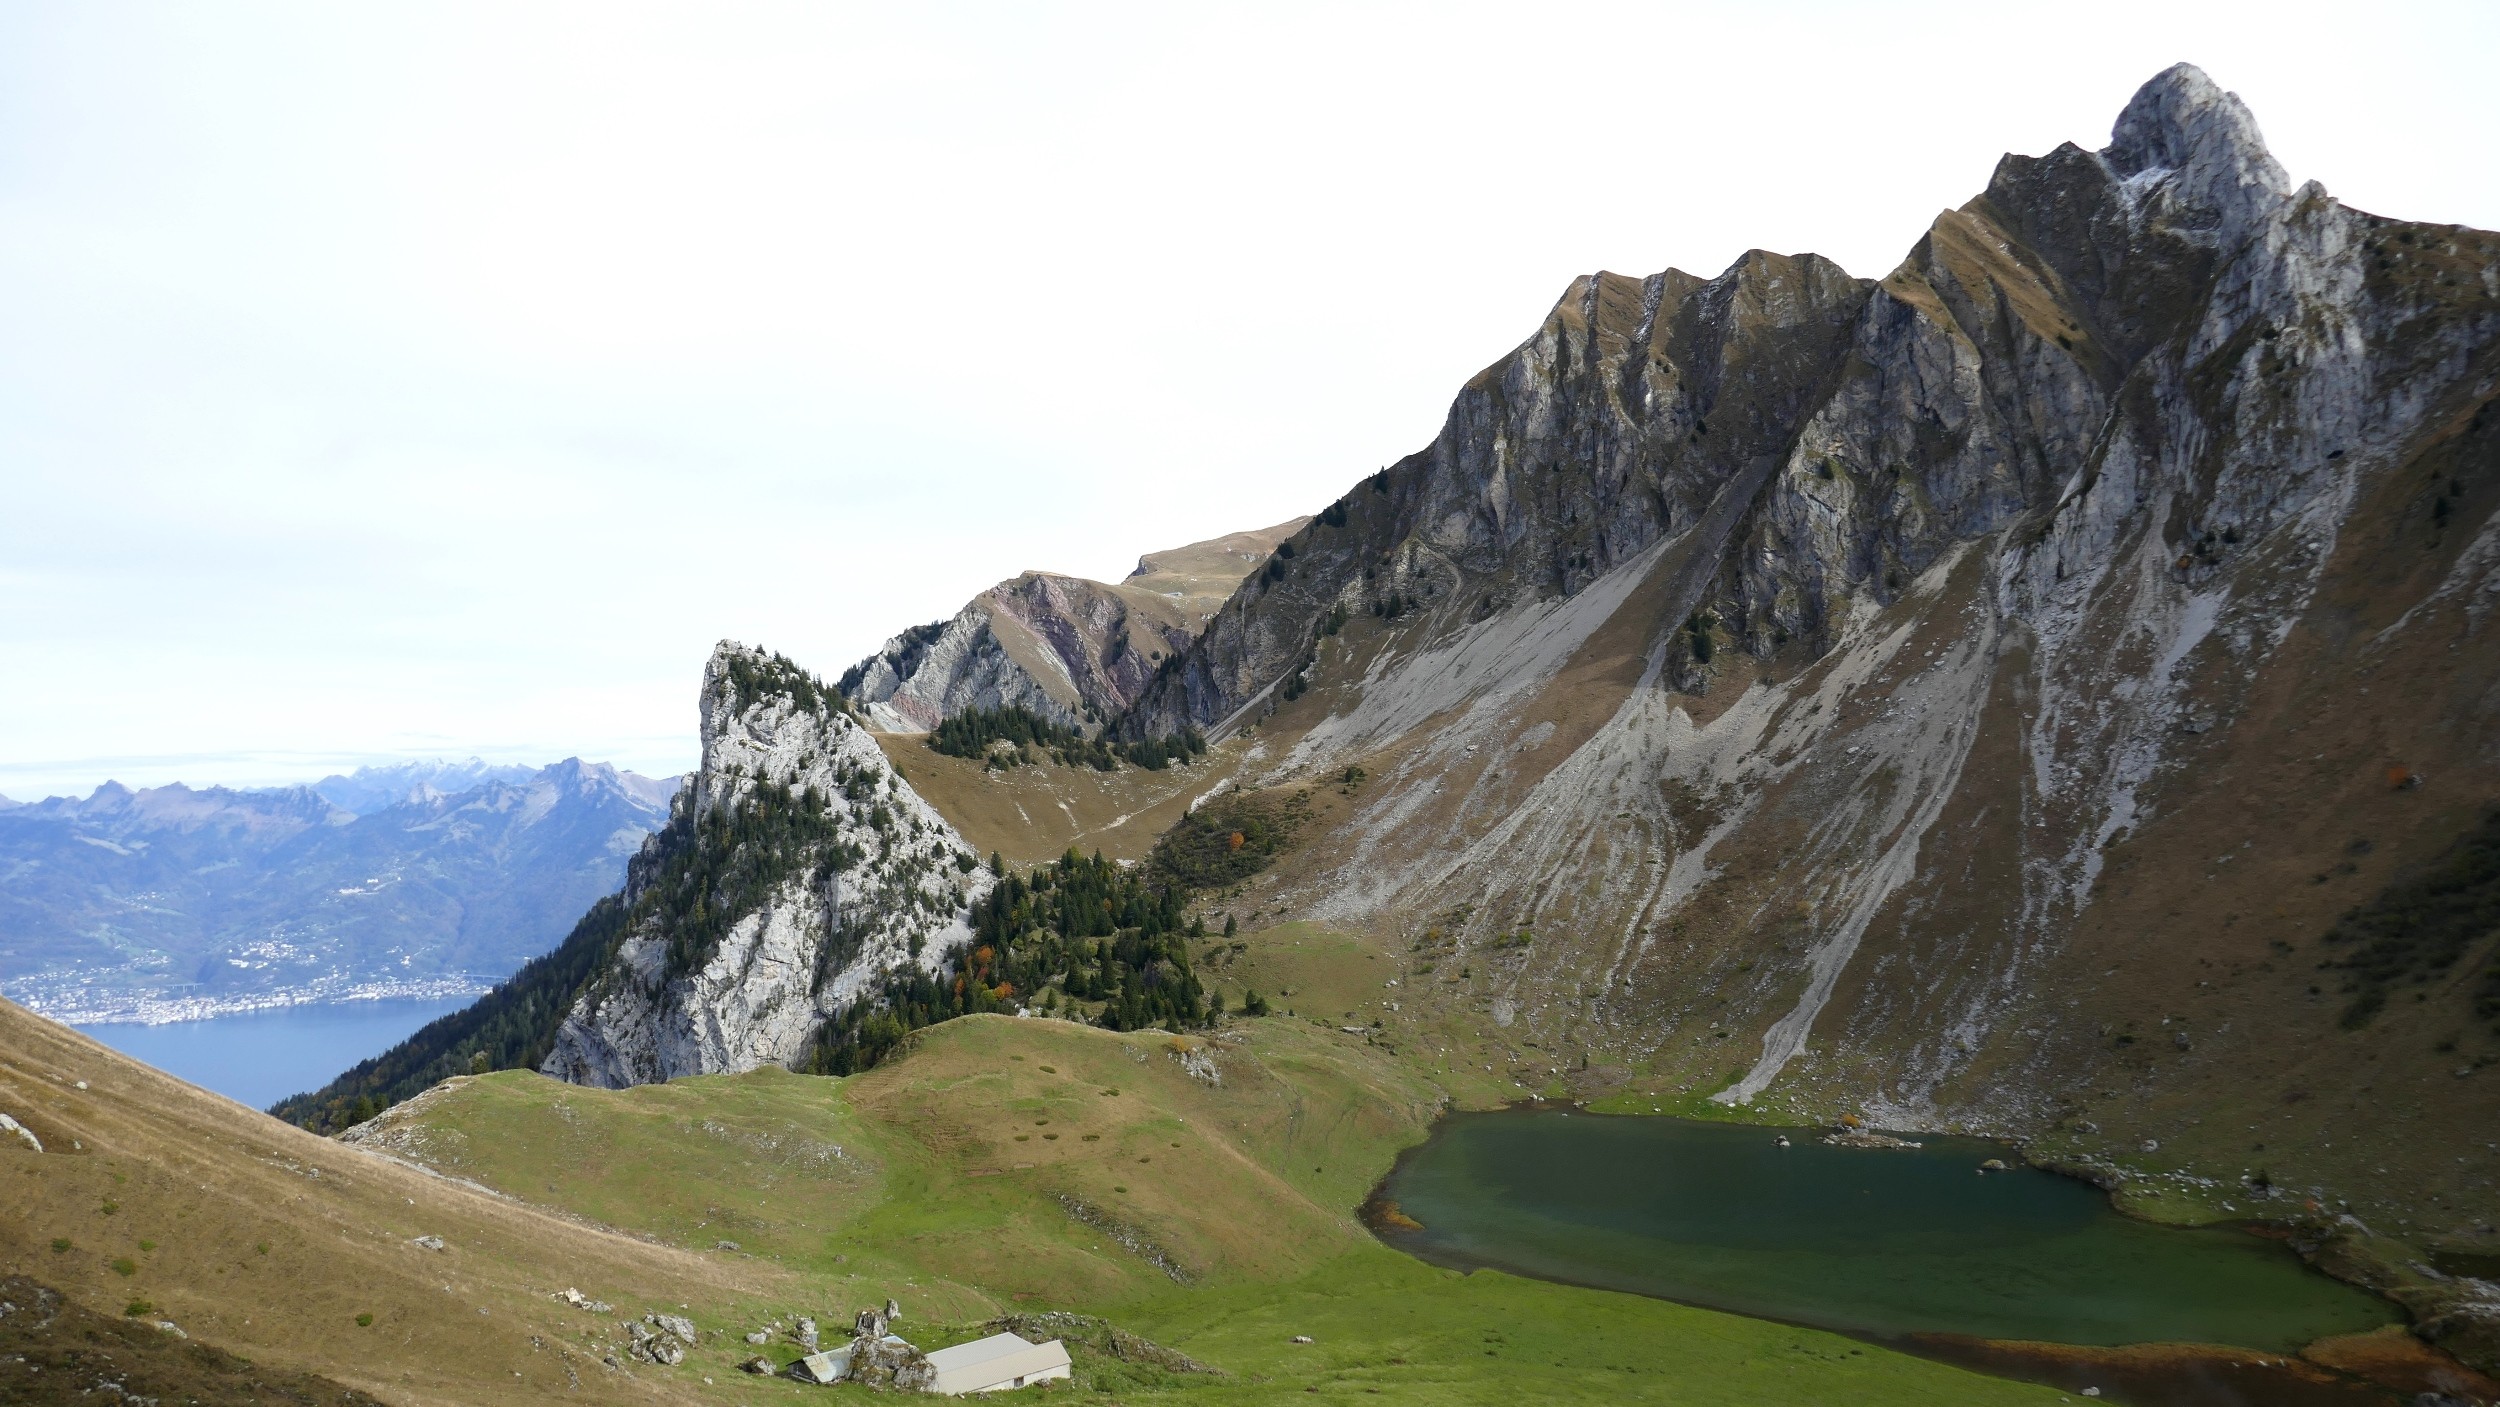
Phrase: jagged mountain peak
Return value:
(1075, 651)
(179, 805)
(798, 869)
(2191, 151)
(575, 774)
(751, 696)
(375, 787)
(2181, 120)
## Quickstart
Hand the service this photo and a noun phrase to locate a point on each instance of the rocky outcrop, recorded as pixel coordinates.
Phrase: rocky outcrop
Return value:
(1100, 1335)
(1074, 651)
(797, 869)
(661, 1339)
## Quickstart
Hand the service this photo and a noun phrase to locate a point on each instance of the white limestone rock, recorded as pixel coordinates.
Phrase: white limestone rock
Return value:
(885, 886)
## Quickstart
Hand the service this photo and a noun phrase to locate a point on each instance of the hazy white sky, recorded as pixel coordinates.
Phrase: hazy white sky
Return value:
(384, 381)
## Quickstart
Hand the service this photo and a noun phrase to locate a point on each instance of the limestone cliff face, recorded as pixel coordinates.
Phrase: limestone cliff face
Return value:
(1967, 695)
(797, 868)
(1074, 651)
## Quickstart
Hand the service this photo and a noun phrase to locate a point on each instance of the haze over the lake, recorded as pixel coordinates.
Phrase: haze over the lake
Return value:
(385, 381)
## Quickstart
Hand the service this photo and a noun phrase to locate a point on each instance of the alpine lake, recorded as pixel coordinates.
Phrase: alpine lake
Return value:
(1916, 1247)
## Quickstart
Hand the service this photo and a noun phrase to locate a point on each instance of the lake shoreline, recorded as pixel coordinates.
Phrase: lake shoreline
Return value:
(266, 1054)
(158, 1010)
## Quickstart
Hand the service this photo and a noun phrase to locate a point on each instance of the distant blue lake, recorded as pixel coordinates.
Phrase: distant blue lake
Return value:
(261, 1057)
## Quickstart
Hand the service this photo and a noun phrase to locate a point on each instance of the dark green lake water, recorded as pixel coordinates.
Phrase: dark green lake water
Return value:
(1883, 1242)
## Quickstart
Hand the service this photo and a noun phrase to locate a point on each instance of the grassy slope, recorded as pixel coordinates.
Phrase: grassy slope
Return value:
(952, 1195)
(1033, 814)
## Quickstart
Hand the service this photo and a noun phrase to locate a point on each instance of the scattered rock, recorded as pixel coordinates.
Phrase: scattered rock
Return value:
(1198, 1065)
(581, 1301)
(869, 1324)
(1861, 1138)
(2461, 1316)
(724, 1245)
(1780, 1141)
(9, 1125)
(805, 1333)
(431, 1243)
(675, 1324)
(2152, 1145)
(887, 1361)
(651, 1347)
(893, 1311)
(760, 1337)
(1301, 1338)
(759, 1365)
(1993, 1165)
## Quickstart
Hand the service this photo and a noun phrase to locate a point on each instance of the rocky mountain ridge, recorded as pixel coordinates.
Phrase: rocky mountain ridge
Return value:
(1073, 651)
(371, 788)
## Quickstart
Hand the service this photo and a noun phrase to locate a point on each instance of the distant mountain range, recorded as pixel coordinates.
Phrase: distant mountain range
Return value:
(423, 879)
(370, 789)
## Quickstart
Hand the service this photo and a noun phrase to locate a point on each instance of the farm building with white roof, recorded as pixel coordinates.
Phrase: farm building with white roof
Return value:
(996, 1363)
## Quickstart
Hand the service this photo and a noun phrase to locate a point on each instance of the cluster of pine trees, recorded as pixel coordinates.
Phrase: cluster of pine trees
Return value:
(751, 680)
(973, 732)
(1083, 929)
(2419, 928)
(1227, 840)
(727, 863)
